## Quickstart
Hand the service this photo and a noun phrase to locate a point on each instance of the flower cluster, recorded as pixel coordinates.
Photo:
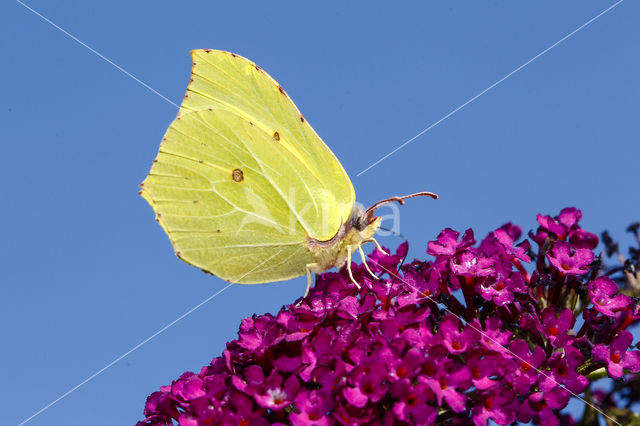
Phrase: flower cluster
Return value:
(495, 330)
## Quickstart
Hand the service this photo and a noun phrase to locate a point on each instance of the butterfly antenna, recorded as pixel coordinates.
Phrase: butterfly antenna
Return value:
(400, 200)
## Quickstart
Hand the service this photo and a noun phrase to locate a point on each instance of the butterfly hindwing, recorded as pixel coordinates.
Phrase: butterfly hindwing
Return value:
(226, 211)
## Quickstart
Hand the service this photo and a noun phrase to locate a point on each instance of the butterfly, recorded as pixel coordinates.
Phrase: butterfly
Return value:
(245, 188)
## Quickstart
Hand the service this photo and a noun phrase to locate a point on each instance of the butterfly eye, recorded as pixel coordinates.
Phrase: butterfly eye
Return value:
(361, 222)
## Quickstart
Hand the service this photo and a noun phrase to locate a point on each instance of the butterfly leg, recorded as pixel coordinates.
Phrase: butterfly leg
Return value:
(353, 280)
(373, 240)
(309, 268)
(364, 262)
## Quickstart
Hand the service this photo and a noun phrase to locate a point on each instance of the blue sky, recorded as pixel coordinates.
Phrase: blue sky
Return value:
(88, 274)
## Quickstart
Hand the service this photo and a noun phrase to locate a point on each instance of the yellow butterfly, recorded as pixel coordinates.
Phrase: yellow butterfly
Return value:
(245, 188)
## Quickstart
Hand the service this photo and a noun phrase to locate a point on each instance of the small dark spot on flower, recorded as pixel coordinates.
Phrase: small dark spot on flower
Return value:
(276, 136)
(401, 372)
(475, 372)
(412, 400)
(237, 175)
(488, 403)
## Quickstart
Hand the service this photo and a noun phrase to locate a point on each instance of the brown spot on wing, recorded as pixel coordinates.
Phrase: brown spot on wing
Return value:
(237, 175)
(276, 136)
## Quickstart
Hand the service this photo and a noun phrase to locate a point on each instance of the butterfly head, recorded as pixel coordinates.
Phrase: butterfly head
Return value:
(363, 224)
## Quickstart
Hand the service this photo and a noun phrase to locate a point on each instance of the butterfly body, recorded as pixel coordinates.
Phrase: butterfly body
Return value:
(335, 252)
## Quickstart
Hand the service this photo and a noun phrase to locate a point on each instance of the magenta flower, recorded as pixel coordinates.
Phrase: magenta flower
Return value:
(617, 356)
(602, 292)
(368, 384)
(506, 236)
(312, 408)
(469, 336)
(553, 225)
(447, 243)
(579, 238)
(557, 325)
(449, 382)
(493, 337)
(501, 286)
(498, 404)
(468, 263)
(564, 371)
(569, 260)
(525, 373)
(484, 366)
(561, 225)
(415, 403)
(540, 406)
(454, 340)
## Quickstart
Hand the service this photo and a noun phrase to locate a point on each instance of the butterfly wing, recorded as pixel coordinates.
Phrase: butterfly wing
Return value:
(241, 180)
